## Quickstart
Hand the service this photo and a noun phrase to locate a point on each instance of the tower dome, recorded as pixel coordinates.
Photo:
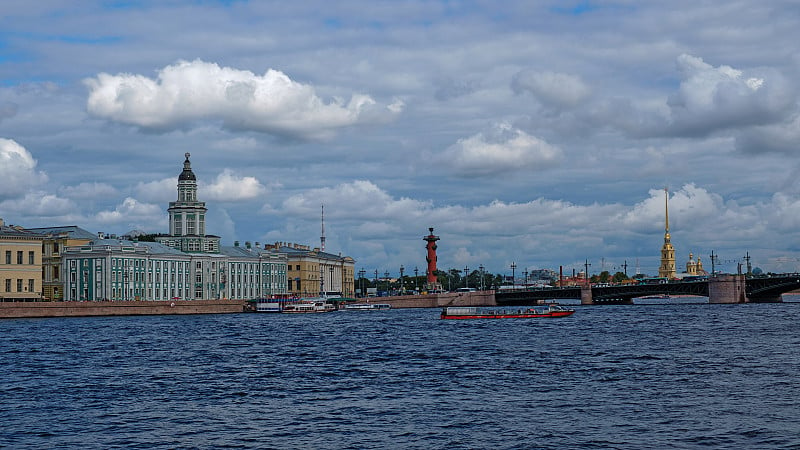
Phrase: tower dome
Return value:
(187, 174)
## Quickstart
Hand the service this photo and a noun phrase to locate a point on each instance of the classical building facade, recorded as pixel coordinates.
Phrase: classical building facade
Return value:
(187, 264)
(120, 270)
(20, 264)
(312, 272)
(55, 240)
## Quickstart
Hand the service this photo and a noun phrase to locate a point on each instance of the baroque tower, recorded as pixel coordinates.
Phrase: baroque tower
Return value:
(187, 218)
(667, 268)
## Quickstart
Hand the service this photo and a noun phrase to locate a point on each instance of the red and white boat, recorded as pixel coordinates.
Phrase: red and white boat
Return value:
(458, 312)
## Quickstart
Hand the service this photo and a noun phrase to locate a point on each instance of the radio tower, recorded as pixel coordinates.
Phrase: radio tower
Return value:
(322, 238)
(322, 249)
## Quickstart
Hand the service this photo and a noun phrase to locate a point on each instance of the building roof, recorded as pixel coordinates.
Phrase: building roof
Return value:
(153, 248)
(292, 251)
(72, 231)
(20, 233)
(187, 173)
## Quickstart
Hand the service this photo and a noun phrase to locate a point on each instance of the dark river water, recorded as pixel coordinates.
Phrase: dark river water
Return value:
(622, 377)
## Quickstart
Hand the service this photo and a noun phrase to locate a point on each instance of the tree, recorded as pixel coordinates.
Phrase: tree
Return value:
(619, 277)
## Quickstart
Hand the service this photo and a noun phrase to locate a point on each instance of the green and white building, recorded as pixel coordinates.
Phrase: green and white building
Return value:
(187, 264)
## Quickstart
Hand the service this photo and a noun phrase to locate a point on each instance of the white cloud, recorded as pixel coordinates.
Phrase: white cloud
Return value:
(187, 92)
(135, 215)
(160, 191)
(18, 171)
(555, 90)
(89, 191)
(687, 206)
(712, 98)
(228, 187)
(40, 205)
(503, 149)
(379, 205)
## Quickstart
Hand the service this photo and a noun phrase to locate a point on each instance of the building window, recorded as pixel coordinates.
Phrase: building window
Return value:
(8, 256)
(8, 285)
(55, 248)
(19, 257)
(31, 258)
(19, 285)
(30, 285)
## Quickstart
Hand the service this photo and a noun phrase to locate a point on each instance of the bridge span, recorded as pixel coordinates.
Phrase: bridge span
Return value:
(718, 289)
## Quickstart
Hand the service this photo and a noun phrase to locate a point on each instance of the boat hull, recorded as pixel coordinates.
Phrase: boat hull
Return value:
(474, 313)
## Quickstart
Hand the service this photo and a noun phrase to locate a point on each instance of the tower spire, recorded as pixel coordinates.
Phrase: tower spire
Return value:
(322, 237)
(666, 209)
(667, 269)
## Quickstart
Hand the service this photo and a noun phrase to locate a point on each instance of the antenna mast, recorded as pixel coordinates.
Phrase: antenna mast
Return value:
(322, 237)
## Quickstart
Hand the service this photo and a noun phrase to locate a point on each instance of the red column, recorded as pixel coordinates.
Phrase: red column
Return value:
(431, 258)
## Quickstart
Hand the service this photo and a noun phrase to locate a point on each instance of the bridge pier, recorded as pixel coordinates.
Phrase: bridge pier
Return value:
(726, 289)
(586, 295)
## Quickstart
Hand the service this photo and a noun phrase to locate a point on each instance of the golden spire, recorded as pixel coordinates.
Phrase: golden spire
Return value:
(667, 269)
(666, 208)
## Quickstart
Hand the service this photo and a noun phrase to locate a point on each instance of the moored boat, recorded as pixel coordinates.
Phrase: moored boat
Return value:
(453, 312)
(367, 306)
(308, 306)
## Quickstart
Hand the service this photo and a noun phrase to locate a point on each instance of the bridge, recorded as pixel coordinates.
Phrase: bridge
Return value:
(718, 289)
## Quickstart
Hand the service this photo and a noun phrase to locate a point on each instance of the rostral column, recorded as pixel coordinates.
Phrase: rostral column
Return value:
(433, 283)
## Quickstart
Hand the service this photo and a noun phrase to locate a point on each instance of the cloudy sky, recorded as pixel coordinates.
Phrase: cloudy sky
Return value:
(536, 132)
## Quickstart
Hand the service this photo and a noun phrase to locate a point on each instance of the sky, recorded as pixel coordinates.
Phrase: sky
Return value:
(539, 133)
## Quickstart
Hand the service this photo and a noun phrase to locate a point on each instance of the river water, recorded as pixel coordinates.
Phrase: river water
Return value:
(622, 377)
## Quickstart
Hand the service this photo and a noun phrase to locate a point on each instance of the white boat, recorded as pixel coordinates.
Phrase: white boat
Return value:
(367, 306)
(268, 306)
(308, 306)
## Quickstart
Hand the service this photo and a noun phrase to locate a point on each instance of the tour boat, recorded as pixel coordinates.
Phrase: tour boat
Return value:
(458, 312)
(267, 306)
(367, 306)
(308, 306)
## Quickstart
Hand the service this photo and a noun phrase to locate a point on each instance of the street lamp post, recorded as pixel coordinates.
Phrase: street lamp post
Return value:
(332, 287)
(402, 287)
(416, 278)
(361, 281)
(466, 276)
(513, 275)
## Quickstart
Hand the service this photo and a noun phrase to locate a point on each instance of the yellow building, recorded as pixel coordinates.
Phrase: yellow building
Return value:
(56, 239)
(312, 272)
(20, 264)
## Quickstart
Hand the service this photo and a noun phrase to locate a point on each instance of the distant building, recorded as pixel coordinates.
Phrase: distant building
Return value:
(312, 272)
(667, 268)
(187, 218)
(187, 264)
(20, 264)
(695, 268)
(56, 239)
(112, 269)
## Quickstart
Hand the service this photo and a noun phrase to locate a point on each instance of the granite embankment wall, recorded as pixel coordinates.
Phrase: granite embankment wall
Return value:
(482, 298)
(128, 308)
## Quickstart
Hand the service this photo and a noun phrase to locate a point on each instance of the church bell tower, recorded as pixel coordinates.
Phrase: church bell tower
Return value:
(667, 268)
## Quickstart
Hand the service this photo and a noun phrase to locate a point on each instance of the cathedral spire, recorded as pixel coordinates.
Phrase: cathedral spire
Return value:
(667, 268)
(666, 209)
